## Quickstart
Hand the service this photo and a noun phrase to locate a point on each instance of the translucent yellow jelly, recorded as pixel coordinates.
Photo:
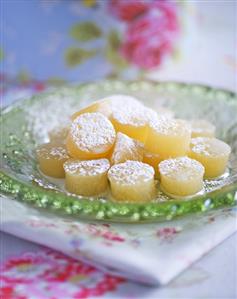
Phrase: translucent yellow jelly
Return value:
(101, 106)
(132, 181)
(86, 178)
(91, 136)
(107, 105)
(202, 128)
(212, 153)
(51, 158)
(181, 176)
(125, 149)
(168, 137)
(153, 160)
(130, 120)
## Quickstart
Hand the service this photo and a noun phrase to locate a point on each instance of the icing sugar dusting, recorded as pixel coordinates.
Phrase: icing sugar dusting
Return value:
(209, 147)
(131, 172)
(169, 126)
(87, 168)
(59, 108)
(126, 148)
(51, 151)
(182, 168)
(92, 132)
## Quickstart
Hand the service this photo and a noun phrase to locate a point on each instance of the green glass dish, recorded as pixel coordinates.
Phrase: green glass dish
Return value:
(26, 124)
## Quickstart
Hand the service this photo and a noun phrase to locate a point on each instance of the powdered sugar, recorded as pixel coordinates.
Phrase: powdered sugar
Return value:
(181, 169)
(168, 126)
(131, 172)
(92, 132)
(209, 147)
(87, 168)
(51, 151)
(126, 148)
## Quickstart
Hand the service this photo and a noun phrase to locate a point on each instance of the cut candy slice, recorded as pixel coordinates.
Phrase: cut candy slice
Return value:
(86, 178)
(153, 160)
(126, 148)
(91, 136)
(212, 153)
(132, 181)
(101, 106)
(168, 137)
(181, 176)
(51, 158)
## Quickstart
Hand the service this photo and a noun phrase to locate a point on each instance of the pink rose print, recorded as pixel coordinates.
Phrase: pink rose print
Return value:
(151, 37)
(168, 233)
(128, 10)
(49, 274)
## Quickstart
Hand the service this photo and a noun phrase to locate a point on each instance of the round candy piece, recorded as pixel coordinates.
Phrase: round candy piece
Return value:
(86, 178)
(101, 106)
(168, 137)
(130, 120)
(132, 181)
(153, 160)
(202, 128)
(126, 148)
(91, 136)
(212, 153)
(51, 158)
(181, 176)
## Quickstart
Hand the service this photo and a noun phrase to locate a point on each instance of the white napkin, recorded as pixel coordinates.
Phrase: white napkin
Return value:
(148, 253)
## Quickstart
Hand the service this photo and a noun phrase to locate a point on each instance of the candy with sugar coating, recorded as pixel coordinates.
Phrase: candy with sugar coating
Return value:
(202, 128)
(132, 120)
(212, 153)
(181, 176)
(132, 181)
(108, 104)
(126, 148)
(51, 158)
(153, 160)
(101, 106)
(91, 136)
(88, 177)
(168, 137)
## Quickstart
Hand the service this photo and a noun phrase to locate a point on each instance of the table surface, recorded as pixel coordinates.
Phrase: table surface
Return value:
(214, 276)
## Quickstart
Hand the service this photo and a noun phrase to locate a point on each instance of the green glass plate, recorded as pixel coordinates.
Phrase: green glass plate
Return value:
(27, 123)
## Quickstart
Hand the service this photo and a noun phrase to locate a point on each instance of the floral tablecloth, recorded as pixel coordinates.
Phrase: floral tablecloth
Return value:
(194, 37)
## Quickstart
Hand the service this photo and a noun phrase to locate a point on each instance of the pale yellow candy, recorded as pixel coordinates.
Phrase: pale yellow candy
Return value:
(181, 176)
(59, 135)
(129, 119)
(108, 104)
(153, 160)
(125, 149)
(212, 153)
(51, 158)
(86, 178)
(202, 128)
(132, 181)
(102, 106)
(168, 137)
(91, 136)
